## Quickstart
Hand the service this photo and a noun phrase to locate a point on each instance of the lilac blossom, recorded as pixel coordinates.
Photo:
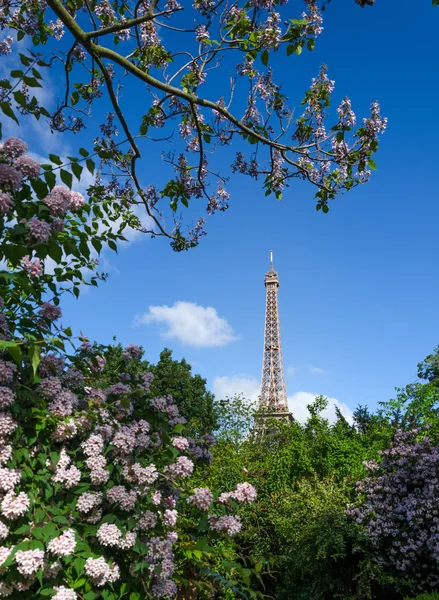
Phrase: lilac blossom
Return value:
(6, 202)
(12, 148)
(33, 267)
(10, 177)
(27, 166)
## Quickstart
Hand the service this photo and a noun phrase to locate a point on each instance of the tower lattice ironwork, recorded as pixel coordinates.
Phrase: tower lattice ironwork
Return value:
(273, 397)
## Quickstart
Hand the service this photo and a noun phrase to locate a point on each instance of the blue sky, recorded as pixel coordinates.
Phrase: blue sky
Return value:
(359, 286)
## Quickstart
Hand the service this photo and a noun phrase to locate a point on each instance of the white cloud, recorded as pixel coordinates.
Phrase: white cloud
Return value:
(299, 401)
(228, 387)
(316, 370)
(249, 387)
(190, 324)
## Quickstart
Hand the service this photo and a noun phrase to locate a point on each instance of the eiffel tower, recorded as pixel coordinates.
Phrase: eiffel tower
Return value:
(273, 397)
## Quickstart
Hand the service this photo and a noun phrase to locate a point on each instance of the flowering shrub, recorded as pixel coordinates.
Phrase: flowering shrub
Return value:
(275, 144)
(398, 513)
(95, 492)
(50, 239)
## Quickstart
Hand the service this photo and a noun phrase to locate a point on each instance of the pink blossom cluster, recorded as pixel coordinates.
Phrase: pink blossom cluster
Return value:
(29, 561)
(64, 544)
(100, 572)
(65, 473)
(201, 498)
(230, 524)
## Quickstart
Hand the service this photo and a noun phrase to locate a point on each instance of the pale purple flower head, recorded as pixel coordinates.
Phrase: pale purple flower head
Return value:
(7, 397)
(7, 425)
(245, 493)
(109, 534)
(6, 202)
(100, 572)
(49, 311)
(201, 498)
(170, 518)
(64, 544)
(27, 166)
(34, 268)
(51, 365)
(14, 506)
(38, 231)
(76, 200)
(64, 593)
(181, 443)
(10, 177)
(9, 478)
(7, 371)
(29, 561)
(147, 521)
(58, 201)
(13, 148)
(50, 387)
(131, 351)
(183, 467)
(230, 524)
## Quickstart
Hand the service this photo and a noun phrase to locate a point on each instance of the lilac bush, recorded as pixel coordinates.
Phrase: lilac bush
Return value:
(95, 492)
(398, 511)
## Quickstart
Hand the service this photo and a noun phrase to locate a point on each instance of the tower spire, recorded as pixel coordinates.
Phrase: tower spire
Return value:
(273, 397)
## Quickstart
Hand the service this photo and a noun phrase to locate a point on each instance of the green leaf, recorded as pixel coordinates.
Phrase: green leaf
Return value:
(34, 353)
(264, 57)
(50, 178)
(83, 152)
(371, 162)
(17, 73)
(90, 165)
(298, 50)
(77, 170)
(20, 98)
(67, 178)
(74, 98)
(31, 82)
(7, 110)
(55, 159)
(16, 353)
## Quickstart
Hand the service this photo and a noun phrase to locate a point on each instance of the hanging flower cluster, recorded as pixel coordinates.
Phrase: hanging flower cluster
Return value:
(95, 483)
(398, 513)
(253, 108)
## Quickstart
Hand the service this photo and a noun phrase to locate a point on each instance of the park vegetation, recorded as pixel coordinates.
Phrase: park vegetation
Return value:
(122, 479)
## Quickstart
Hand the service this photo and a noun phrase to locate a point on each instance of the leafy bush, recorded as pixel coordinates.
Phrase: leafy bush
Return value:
(398, 512)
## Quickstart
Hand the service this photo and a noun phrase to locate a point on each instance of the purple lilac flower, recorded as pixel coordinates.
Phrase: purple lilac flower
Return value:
(6, 202)
(13, 148)
(58, 200)
(27, 166)
(10, 177)
(38, 231)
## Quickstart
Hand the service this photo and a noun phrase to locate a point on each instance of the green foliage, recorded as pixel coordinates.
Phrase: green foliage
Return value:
(173, 377)
(417, 405)
(305, 476)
